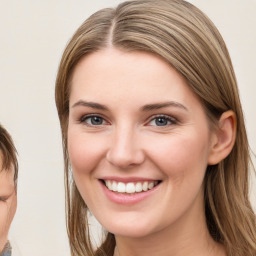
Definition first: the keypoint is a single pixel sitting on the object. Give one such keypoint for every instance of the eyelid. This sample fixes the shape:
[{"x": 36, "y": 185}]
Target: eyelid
[
  {"x": 169, "y": 118},
  {"x": 84, "y": 117},
  {"x": 3, "y": 198}
]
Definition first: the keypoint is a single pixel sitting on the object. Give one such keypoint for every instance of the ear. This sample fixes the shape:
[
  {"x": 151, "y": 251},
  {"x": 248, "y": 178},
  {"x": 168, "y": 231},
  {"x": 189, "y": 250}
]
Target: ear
[{"x": 223, "y": 138}]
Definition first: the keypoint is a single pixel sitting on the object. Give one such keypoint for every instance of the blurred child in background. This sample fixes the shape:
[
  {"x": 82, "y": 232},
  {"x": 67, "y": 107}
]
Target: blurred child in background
[{"x": 8, "y": 188}]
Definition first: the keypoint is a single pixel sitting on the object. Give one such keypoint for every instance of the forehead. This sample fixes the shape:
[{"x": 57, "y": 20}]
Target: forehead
[
  {"x": 122, "y": 64},
  {"x": 126, "y": 76},
  {"x": 6, "y": 180},
  {"x": 5, "y": 174}
]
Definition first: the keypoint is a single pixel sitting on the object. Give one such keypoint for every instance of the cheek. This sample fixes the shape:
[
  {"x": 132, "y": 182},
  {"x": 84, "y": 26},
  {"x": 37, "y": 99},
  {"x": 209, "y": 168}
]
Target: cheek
[
  {"x": 7, "y": 212},
  {"x": 84, "y": 151},
  {"x": 13, "y": 208},
  {"x": 182, "y": 154},
  {"x": 3, "y": 218}
]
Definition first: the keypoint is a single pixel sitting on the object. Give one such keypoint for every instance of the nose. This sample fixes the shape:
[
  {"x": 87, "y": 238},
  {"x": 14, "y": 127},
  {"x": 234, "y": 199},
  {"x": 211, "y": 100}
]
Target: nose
[{"x": 125, "y": 150}]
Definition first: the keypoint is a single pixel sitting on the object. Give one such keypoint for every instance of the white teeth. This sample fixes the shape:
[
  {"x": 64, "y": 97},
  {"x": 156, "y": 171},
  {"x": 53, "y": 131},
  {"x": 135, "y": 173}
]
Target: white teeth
[
  {"x": 109, "y": 185},
  {"x": 145, "y": 186},
  {"x": 130, "y": 187},
  {"x": 114, "y": 186},
  {"x": 150, "y": 185},
  {"x": 120, "y": 187},
  {"x": 138, "y": 187}
]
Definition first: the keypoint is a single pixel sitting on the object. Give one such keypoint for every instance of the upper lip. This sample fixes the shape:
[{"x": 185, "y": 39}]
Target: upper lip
[{"x": 128, "y": 179}]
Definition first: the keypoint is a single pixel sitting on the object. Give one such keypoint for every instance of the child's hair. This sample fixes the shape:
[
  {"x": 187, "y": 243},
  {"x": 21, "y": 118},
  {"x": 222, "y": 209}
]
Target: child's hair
[
  {"x": 8, "y": 153},
  {"x": 185, "y": 38}
]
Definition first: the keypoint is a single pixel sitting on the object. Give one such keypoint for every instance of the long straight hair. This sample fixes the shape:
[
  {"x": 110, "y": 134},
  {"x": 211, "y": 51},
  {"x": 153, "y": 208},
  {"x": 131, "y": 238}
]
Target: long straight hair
[{"x": 185, "y": 38}]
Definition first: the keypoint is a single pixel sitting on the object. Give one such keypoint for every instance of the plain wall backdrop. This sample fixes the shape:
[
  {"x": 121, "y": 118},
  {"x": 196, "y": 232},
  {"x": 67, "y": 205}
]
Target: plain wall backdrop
[{"x": 33, "y": 35}]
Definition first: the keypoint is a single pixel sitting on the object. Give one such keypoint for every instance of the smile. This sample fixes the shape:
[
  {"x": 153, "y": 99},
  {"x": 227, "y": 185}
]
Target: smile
[{"x": 130, "y": 187}]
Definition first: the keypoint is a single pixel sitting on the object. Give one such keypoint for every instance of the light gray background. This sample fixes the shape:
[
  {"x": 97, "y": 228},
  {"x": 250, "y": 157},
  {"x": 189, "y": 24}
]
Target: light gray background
[{"x": 33, "y": 36}]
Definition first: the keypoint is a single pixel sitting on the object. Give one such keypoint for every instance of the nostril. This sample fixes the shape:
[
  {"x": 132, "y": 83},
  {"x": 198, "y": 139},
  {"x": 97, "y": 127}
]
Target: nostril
[{"x": 125, "y": 158}]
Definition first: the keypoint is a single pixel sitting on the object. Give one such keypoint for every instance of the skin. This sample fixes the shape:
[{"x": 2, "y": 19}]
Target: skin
[
  {"x": 129, "y": 143},
  {"x": 8, "y": 203}
]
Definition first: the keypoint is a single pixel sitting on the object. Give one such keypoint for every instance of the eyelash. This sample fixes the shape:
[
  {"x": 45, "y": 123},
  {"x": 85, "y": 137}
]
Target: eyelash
[
  {"x": 83, "y": 119},
  {"x": 171, "y": 120},
  {"x": 2, "y": 199}
]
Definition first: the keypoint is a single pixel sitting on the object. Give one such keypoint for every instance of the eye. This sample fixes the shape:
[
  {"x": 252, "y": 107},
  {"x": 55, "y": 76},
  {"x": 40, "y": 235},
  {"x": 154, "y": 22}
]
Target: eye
[
  {"x": 93, "y": 120},
  {"x": 3, "y": 199},
  {"x": 162, "y": 121}
]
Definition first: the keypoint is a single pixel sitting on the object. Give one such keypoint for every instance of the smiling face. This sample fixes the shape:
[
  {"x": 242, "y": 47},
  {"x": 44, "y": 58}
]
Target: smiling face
[
  {"x": 8, "y": 203},
  {"x": 139, "y": 143}
]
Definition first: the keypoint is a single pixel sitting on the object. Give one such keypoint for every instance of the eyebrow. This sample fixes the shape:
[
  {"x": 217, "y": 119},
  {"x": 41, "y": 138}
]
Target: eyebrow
[
  {"x": 90, "y": 105},
  {"x": 145, "y": 108},
  {"x": 156, "y": 106}
]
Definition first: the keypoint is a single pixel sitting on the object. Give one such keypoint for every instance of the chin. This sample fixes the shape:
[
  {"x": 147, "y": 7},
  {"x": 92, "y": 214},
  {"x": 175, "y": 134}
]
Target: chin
[
  {"x": 129, "y": 228},
  {"x": 131, "y": 232}
]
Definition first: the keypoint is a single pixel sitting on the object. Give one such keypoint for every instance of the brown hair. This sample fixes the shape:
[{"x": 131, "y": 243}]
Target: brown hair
[
  {"x": 185, "y": 38},
  {"x": 8, "y": 153}
]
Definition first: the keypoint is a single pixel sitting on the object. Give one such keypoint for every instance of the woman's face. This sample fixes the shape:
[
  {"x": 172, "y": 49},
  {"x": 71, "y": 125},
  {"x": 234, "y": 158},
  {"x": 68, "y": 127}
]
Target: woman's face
[
  {"x": 138, "y": 141},
  {"x": 8, "y": 203}
]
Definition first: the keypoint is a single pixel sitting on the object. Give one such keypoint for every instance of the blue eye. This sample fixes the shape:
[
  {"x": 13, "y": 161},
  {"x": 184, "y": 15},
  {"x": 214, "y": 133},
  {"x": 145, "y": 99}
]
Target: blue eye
[
  {"x": 161, "y": 121},
  {"x": 93, "y": 120}
]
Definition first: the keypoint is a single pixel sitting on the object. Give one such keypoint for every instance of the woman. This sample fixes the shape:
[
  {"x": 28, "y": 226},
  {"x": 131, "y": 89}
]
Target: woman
[
  {"x": 153, "y": 134},
  {"x": 8, "y": 186}
]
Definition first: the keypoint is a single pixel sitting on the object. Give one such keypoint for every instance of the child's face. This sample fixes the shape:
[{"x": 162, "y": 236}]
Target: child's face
[{"x": 8, "y": 203}]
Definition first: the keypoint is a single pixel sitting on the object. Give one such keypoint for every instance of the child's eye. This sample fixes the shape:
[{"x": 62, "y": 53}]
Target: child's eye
[
  {"x": 3, "y": 199},
  {"x": 93, "y": 120},
  {"x": 162, "y": 121}
]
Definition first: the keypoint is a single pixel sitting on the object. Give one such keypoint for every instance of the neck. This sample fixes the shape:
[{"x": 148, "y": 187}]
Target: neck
[{"x": 183, "y": 238}]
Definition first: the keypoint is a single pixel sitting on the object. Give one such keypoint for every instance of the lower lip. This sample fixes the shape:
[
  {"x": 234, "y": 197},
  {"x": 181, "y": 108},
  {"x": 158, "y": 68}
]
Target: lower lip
[{"x": 127, "y": 199}]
